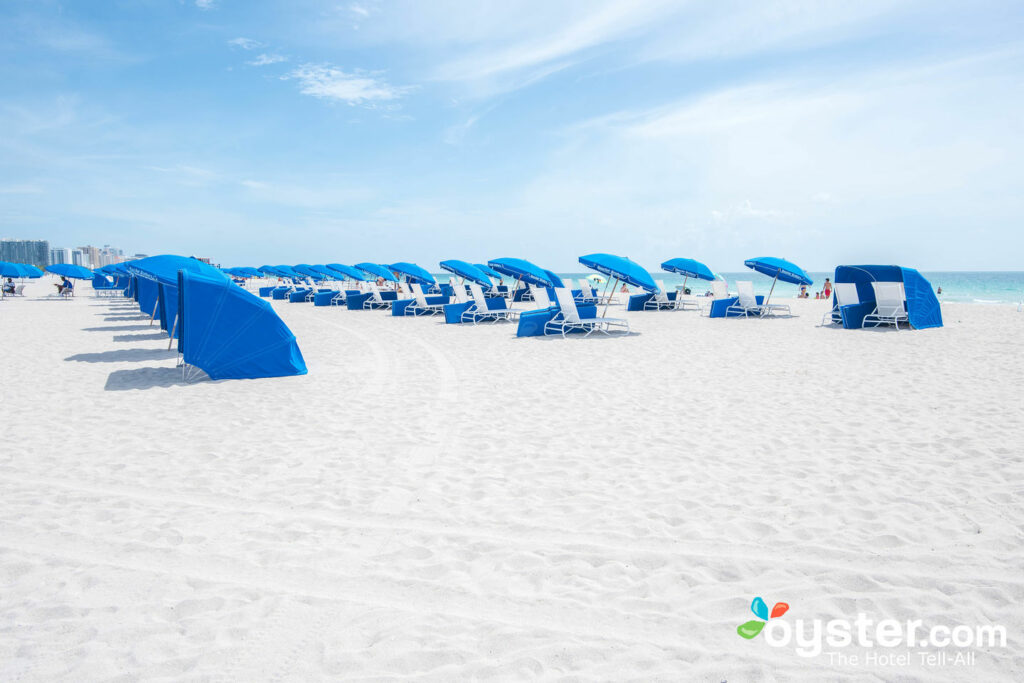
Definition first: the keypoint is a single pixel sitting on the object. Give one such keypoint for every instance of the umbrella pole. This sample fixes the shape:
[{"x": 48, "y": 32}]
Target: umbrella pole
[
  {"x": 174, "y": 327},
  {"x": 604, "y": 294},
  {"x": 156, "y": 305},
  {"x": 765, "y": 309},
  {"x": 608, "y": 301},
  {"x": 679, "y": 296}
]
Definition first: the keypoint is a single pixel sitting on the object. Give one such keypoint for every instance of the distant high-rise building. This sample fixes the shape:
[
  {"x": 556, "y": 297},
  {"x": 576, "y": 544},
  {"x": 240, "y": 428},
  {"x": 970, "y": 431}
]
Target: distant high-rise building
[
  {"x": 59, "y": 255},
  {"x": 34, "y": 252},
  {"x": 79, "y": 258}
]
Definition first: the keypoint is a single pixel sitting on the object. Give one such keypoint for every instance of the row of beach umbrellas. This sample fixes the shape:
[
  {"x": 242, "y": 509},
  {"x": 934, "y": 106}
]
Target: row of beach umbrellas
[{"x": 616, "y": 268}]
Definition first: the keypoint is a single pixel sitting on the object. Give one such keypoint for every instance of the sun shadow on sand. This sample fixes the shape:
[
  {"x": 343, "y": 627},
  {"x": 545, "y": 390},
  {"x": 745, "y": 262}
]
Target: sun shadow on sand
[
  {"x": 115, "y": 318},
  {"x": 155, "y": 336},
  {"x": 143, "y": 378},
  {"x": 123, "y": 355},
  {"x": 117, "y": 328}
]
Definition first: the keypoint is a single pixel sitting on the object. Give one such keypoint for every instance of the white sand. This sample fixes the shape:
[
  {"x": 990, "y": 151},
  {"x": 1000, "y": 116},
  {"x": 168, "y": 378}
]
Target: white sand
[{"x": 453, "y": 502}]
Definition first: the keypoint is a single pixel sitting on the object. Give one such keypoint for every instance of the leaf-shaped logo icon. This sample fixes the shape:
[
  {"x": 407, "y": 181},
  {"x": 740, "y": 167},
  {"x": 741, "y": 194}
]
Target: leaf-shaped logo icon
[
  {"x": 779, "y": 609},
  {"x": 759, "y": 608},
  {"x": 750, "y": 629}
]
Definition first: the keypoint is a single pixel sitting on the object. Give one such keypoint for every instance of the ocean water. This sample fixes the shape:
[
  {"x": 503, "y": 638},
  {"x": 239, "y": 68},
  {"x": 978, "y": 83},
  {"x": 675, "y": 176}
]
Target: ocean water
[{"x": 985, "y": 287}]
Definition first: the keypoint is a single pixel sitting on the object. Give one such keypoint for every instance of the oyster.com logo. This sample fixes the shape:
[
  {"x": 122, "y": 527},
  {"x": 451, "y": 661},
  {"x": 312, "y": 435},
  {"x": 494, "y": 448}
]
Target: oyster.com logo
[{"x": 760, "y": 610}]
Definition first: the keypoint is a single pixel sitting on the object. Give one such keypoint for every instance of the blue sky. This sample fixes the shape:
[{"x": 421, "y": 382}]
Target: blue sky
[{"x": 306, "y": 131}]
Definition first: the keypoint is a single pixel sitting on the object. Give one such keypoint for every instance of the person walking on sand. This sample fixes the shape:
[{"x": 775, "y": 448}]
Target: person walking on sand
[{"x": 828, "y": 288}]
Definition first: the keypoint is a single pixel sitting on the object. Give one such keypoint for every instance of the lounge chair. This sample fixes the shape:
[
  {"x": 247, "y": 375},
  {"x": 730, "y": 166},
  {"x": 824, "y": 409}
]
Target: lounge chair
[
  {"x": 660, "y": 300},
  {"x": 420, "y": 305},
  {"x": 540, "y": 297},
  {"x": 375, "y": 300},
  {"x": 19, "y": 290},
  {"x": 846, "y": 295},
  {"x": 568, "y": 318},
  {"x": 747, "y": 304},
  {"x": 480, "y": 312},
  {"x": 889, "y": 308},
  {"x": 719, "y": 290}
]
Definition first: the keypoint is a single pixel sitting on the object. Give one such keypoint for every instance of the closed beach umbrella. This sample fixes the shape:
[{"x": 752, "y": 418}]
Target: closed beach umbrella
[
  {"x": 467, "y": 271},
  {"x": 619, "y": 268},
  {"x": 778, "y": 269},
  {"x": 70, "y": 270},
  {"x": 377, "y": 270},
  {"x": 413, "y": 273}
]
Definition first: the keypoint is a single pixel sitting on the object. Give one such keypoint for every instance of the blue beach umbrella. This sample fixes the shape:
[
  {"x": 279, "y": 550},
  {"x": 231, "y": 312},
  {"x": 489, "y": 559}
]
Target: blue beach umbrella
[
  {"x": 9, "y": 269},
  {"x": 30, "y": 270},
  {"x": 270, "y": 270},
  {"x": 466, "y": 271},
  {"x": 619, "y": 268},
  {"x": 349, "y": 272},
  {"x": 377, "y": 270},
  {"x": 778, "y": 269},
  {"x": 521, "y": 270},
  {"x": 413, "y": 273},
  {"x": 555, "y": 280},
  {"x": 308, "y": 271},
  {"x": 687, "y": 267},
  {"x": 70, "y": 270},
  {"x": 487, "y": 270}
]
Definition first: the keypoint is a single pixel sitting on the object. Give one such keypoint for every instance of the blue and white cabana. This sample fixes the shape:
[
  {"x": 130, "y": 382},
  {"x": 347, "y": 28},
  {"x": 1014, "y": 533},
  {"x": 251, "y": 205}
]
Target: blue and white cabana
[{"x": 921, "y": 304}]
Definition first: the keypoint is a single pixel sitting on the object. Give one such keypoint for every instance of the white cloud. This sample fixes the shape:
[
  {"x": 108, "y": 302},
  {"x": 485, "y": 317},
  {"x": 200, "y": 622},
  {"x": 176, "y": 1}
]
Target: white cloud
[
  {"x": 359, "y": 10},
  {"x": 264, "y": 59},
  {"x": 206, "y": 4},
  {"x": 245, "y": 43},
  {"x": 328, "y": 82}
]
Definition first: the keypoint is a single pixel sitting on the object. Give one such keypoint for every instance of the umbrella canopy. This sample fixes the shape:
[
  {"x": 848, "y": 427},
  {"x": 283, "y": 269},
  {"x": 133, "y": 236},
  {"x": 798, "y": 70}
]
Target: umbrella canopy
[
  {"x": 555, "y": 280},
  {"x": 377, "y": 270},
  {"x": 164, "y": 268},
  {"x": 9, "y": 270},
  {"x": 244, "y": 271},
  {"x": 621, "y": 268},
  {"x": 413, "y": 273},
  {"x": 306, "y": 269},
  {"x": 29, "y": 270},
  {"x": 348, "y": 272},
  {"x": 270, "y": 270},
  {"x": 467, "y": 271},
  {"x": 230, "y": 333},
  {"x": 780, "y": 269},
  {"x": 487, "y": 270},
  {"x": 687, "y": 267},
  {"x": 284, "y": 270},
  {"x": 70, "y": 270},
  {"x": 521, "y": 269}
]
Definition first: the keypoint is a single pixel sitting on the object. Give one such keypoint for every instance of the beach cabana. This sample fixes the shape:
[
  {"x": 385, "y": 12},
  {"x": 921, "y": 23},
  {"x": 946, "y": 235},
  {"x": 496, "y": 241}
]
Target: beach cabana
[
  {"x": 229, "y": 333},
  {"x": 920, "y": 303},
  {"x": 157, "y": 285}
]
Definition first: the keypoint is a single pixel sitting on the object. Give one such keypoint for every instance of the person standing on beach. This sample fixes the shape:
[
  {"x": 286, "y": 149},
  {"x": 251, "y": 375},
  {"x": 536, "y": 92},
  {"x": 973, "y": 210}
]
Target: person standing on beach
[{"x": 828, "y": 288}]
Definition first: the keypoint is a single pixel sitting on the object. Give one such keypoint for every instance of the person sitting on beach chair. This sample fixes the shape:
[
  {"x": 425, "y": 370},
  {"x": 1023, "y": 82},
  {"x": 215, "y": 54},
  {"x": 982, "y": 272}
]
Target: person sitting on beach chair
[{"x": 9, "y": 286}]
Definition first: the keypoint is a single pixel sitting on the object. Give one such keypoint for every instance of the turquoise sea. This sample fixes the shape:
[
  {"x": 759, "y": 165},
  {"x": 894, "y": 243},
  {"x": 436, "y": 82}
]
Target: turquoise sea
[{"x": 986, "y": 287}]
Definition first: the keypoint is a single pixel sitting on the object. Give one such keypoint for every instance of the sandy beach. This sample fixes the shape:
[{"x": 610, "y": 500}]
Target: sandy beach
[{"x": 453, "y": 502}]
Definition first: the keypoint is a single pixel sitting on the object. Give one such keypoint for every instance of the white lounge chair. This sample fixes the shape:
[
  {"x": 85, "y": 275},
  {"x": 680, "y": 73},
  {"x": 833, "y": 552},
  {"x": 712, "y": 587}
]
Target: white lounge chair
[
  {"x": 747, "y": 304},
  {"x": 480, "y": 312},
  {"x": 889, "y": 308},
  {"x": 540, "y": 297},
  {"x": 569, "y": 318},
  {"x": 660, "y": 300},
  {"x": 19, "y": 290},
  {"x": 719, "y": 290},
  {"x": 375, "y": 300},
  {"x": 420, "y": 305},
  {"x": 846, "y": 295},
  {"x": 459, "y": 293}
]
